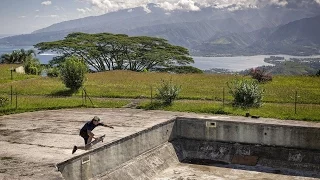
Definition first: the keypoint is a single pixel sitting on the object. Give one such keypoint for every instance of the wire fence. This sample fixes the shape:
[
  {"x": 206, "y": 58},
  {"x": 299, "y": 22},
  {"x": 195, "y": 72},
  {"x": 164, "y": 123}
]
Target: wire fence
[
  {"x": 14, "y": 100},
  {"x": 11, "y": 98}
]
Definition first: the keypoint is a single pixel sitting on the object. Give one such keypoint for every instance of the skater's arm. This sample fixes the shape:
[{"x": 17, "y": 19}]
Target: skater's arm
[{"x": 105, "y": 125}]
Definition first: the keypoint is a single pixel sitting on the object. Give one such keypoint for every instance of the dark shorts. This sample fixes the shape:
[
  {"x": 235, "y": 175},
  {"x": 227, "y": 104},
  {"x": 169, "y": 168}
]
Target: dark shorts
[{"x": 85, "y": 136}]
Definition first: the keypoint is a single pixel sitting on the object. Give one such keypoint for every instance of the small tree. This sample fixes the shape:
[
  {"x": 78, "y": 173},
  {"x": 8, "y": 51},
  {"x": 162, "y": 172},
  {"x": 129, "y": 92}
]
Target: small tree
[
  {"x": 32, "y": 66},
  {"x": 318, "y": 73},
  {"x": 246, "y": 93},
  {"x": 260, "y": 75},
  {"x": 168, "y": 92},
  {"x": 73, "y": 73}
]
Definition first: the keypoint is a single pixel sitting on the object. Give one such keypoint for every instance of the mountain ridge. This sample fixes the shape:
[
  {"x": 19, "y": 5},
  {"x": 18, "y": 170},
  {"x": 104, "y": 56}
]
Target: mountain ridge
[{"x": 209, "y": 32}]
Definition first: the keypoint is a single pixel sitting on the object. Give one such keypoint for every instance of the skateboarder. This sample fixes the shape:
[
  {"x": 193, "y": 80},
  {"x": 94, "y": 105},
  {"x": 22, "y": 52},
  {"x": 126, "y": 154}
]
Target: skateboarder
[{"x": 86, "y": 132}]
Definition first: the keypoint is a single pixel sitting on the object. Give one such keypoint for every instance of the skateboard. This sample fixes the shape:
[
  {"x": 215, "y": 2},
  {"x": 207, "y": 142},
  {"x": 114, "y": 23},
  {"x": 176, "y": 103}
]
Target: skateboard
[{"x": 98, "y": 139}]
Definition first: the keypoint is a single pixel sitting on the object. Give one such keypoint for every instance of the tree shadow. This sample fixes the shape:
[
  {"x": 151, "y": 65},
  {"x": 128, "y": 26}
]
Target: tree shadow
[
  {"x": 155, "y": 105},
  {"x": 66, "y": 92}
]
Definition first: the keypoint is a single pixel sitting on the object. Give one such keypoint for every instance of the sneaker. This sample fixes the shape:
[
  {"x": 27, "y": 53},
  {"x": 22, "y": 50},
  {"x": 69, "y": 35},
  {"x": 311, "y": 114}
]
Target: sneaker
[{"x": 74, "y": 149}]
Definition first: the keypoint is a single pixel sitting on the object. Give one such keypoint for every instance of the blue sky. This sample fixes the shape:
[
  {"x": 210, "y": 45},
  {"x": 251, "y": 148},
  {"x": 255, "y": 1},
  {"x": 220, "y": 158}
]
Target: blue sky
[{"x": 25, "y": 16}]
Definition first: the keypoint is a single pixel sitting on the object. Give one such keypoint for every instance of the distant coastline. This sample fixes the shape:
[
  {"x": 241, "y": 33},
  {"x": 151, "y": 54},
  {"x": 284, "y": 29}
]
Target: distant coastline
[{"x": 228, "y": 63}]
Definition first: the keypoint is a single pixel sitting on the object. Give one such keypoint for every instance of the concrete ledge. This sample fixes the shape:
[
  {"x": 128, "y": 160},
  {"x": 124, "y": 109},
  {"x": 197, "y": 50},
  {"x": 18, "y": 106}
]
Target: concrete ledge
[
  {"x": 144, "y": 166},
  {"x": 284, "y": 135},
  {"x": 107, "y": 157}
]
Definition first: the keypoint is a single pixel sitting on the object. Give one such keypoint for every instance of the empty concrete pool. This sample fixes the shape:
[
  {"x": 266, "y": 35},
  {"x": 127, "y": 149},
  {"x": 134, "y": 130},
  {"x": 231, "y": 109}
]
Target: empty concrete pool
[{"x": 199, "y": 148}]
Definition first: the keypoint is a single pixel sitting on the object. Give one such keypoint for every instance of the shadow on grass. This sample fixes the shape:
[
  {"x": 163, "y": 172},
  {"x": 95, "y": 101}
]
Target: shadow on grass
[
  {"x": 154, "y": 106},
  {"x": 66, "y": 92}
]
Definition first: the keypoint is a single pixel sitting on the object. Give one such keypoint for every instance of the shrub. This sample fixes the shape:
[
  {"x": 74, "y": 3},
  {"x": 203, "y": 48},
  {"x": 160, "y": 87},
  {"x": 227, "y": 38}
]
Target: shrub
[
  {"x": 180, "y": 69},
  {"x": 3, "y": 101},
  {"x": 168, "y": 92},
  {"x": 318, "y": 74},
  {"x": 32, "y": 66},
  {"x": 72, "y": 73},
  {"x": 53, "y": 72},
  {"x": 246, "y": 93},
  {"x": 260, "y": 75}
]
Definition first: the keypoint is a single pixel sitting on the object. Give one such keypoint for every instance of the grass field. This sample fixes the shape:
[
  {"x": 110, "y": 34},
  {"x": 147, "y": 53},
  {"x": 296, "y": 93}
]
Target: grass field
[{"x": 201, "y": 93}]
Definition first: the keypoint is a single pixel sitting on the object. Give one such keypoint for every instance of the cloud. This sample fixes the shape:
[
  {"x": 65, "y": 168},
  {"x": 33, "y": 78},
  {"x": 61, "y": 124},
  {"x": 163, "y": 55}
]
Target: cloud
[
  {"x": 192, "y": 5},
  {"x": 46, "y": 3},
  {"x": 82, "y": 10},
  {"x": 48, "y": 16},
  {"x": 22, "y": 16},
  {"x": 181, "y": 5}
]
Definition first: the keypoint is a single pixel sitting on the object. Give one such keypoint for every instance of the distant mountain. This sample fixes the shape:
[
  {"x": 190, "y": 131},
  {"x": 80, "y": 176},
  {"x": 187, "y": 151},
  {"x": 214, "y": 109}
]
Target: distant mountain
[
  {"x": 206, "y": 32},
  {"x": 230, "y": 44},
  {"x": 6, "y": 35},
  {"x": 189, "y": 34},
  {"x": 301, "y": 37},
  {"x": 32, "y": 39}
]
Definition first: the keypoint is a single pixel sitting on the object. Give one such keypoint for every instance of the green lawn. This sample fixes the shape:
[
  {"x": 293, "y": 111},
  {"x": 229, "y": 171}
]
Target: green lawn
[{"x": 201, "y": 93}]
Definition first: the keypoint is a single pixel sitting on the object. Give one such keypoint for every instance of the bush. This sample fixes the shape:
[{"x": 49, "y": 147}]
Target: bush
[
  {"x": 168, "y": 92},
  {"x": 3, "y": 101},
  {"x": 246, "y": 93},
  {"x": 260, "y": 75},
  {"x": 180, "y": 69},
  {"x": 72, "y": 73},
  {"x": 32, "y": 66},
  {"x": 318, "y": 74},
  {"x": 53, "y": 72}
]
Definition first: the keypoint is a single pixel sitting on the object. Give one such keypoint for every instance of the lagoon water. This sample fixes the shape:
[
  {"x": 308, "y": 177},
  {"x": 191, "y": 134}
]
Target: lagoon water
[
  {"x": 236, "y": 63},
  {"x": 44, "y": 58}
]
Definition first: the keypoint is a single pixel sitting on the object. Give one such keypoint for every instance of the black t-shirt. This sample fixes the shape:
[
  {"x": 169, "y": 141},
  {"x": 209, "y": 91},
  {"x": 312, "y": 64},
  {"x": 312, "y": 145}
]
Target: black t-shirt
[{"x": 90, "y": 126}]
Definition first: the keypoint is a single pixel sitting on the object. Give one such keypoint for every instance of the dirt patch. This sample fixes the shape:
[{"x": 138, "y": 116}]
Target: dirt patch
[
  {"x": 7, "y": 132},
  {"x": 6, "y": 158},
  {"x": 43, "y": 129},
  {"x": 13, "y": 168}
]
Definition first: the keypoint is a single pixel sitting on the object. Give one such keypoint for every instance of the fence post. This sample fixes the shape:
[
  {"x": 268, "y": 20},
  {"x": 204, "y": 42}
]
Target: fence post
[
  {"x": 223, "y": 97},
  {"x": 85, "y": 97},
  {"x": 16, "y": 100},
  {"x": 295, "y": 102},
  {"x": 11, "y": 94},
  {"x": 82, "y": 97},
  {"x": 11, "y": 73},
  {"x": 151, "y": 93}
]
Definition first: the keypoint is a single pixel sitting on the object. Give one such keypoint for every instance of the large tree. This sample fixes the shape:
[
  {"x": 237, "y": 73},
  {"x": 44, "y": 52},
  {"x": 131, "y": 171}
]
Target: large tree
[{"x": 106, "y": 51}]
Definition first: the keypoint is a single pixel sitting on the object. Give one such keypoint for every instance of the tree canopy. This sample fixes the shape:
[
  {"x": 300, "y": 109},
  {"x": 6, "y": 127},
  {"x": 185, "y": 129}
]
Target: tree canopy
[
  {"x": 106, "y": 51},
  {"x": 17, "y": 56}
]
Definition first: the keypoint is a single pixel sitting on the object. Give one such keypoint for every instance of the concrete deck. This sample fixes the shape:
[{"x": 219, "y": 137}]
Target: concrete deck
[{"x": 32, "y": 143}]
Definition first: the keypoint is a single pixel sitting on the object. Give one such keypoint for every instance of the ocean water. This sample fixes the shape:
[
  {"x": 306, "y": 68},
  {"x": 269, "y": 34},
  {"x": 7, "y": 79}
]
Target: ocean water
[
  {"x": 236, "y": 63},
  {"x": 44, "y": 57}
]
